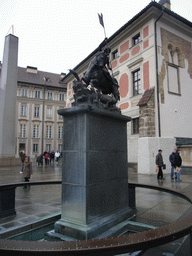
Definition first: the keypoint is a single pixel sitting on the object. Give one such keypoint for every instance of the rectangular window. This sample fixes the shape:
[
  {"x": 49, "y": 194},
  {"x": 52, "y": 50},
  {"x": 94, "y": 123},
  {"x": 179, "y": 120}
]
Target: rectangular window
[
  {"x": 36, "y": 131},
  {"x": 60, "y": 132},
  {"x": 48, "y": 131},
  {"x": 60, "y": 116},
  {"x": 115, "y": 54},
  {"x": 135, "y": 126},
  {"x": 24, "y": 92},
  {"x": 23, "y": 110},
  {"x": 49, "y": 112},
  {"x": 136, "y": 83},
  {"x": 48, "y": 147},
  {"x": 173, "y": 79},
  {"x": 60, "y": 148},
  {"x": 35, "y": 148},
  {"x": 22, "y": 132},
  {"x": 49, "y": 95},
  {"x": 36, "y": 112},
  {"x": 62, "y": 96},
  {"x": 37, "y": 94},
  {"x": 136, "y": 39}
]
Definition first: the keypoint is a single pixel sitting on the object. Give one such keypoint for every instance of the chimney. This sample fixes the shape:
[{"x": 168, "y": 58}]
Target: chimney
[
  {"x": 31, "y": 70},
  {"x": 165, "y": 3}
]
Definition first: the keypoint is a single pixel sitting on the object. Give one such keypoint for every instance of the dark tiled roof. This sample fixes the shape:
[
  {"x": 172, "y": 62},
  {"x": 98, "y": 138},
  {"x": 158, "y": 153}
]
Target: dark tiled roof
[
  {"x": 146, "y": 97},
  {"x": 38, "y": 78}
]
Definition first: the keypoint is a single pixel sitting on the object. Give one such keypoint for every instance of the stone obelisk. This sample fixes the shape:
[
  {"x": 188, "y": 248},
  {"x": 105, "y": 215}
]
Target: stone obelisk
[{"x": 8, "y": 95}]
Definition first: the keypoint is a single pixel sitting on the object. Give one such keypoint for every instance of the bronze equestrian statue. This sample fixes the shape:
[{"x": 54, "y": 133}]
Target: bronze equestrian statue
[
  {"x": 102, "y": 86},
  {"x": 98, "y": 75}
]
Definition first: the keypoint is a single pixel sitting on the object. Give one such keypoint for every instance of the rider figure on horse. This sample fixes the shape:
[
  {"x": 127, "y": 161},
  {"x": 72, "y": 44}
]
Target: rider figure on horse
[{"x": 100, "y": 60}]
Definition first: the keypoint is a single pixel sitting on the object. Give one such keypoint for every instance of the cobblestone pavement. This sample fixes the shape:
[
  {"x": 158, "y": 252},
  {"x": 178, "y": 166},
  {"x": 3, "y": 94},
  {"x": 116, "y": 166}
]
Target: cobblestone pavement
[{"x": 153, "y": 207}]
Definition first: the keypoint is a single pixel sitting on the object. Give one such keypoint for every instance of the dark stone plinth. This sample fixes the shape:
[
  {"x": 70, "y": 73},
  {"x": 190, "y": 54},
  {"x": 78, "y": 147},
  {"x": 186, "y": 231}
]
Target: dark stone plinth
[
  {"x": 7, "y": 201},
  {"x": 95, "y": 176}
]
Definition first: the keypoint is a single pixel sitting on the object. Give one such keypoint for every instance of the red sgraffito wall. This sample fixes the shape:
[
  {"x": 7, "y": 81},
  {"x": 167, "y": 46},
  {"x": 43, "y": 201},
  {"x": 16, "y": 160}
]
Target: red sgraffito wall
[
  {"x": 124, "y": 47},
  {"x": 124, "y": 106},
  {"x": 124, "y": 85}
]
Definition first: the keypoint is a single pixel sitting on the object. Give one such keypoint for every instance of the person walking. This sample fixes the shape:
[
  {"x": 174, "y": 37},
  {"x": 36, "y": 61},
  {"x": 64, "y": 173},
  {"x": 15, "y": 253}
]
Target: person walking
[
  {"x": 27, "y": 168},
  {"x": 57, "y": 155},
  {"x": 52, "y": 156},
  {"x": 178, "y": 162},
  {"x": 172, "y": 161},
  {"x": 159, "y": 164},
  {"x": 47, "y": 158},
  {"x": 22, "y": 157}
]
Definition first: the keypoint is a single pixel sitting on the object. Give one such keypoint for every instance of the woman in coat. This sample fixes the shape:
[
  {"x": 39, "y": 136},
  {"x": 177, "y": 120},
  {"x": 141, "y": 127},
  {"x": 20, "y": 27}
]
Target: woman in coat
[{"x": 27, "y": 169}]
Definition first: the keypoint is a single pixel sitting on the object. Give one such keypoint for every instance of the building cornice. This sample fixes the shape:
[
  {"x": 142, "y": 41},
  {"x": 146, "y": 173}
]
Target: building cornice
[{"x": 20, "y": 83}]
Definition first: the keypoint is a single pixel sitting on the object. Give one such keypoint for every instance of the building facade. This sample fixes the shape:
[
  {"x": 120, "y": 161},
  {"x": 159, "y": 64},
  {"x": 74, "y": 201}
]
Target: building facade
[
  {"x": 39, "y": 96},
  {"x": 151, "y": 58}
]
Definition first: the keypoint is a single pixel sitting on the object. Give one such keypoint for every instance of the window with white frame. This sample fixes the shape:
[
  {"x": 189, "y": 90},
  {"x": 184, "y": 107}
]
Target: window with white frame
[
  {"x": 49, "y": 95},
  {"x": 62, "y": 96},
  {"x": 36, "y": 112},
  {"x": 22, "y": 131},
  {"x": 60, "y": 132},
  {"x": 48, "y": 147},
  {"x": 23, "y": 110},
  {"x": 136, "y": 82},
  {"x": 60, "y": 116},
  {"x": 36, "y": 131},
  {"x": 115, "y": 54},
  {"x": 173, "y": 71},
  {"x": 49, "y": 112},
  {"x": 48, "y": 131},
  {"x": 24, "y": 92},
  {"x": 35, "y": 148},
  {"x": 136, "y": 39},
  {"x": 37, "y": 94}
]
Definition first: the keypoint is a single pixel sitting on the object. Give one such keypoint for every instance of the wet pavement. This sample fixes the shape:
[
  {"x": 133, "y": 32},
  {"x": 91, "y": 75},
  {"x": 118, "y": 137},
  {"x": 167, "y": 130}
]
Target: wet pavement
[{"x": 36, "y": 203}]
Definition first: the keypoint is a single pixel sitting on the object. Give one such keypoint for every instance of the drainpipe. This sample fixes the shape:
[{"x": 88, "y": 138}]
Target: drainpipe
[{"x": 157, "y": 75}]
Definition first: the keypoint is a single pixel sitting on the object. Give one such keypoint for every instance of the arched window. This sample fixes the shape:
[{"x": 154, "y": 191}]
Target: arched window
[{"x": 171, "y": 53}]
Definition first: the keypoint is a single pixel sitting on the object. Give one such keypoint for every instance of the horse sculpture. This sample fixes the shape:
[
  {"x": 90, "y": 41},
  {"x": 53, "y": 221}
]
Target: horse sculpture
[
  {"x": 98, "y": 76},
  {"x": 97, "y": 82}
]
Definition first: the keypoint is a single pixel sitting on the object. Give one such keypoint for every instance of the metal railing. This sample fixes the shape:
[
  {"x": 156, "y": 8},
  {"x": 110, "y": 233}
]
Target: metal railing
[{"x": 106, "y": 246}]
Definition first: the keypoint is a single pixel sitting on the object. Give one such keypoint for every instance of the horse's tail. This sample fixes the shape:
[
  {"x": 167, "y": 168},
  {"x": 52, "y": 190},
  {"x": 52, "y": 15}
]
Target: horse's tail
[{"x": 75, "y": 74}]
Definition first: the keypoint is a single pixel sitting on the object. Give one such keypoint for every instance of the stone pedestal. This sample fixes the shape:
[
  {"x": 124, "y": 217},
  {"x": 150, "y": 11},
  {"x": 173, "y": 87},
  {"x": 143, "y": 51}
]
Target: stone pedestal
[
  {"x": 7, "y": 201},
  {"x": 95, "y": 175}
]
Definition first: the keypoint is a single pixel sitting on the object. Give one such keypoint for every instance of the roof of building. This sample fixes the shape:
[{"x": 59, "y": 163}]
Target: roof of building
[
  {"x": 150, "y": 5},
  {"x": 31, "y": 75},
  {"x": 146, "y": 97}
]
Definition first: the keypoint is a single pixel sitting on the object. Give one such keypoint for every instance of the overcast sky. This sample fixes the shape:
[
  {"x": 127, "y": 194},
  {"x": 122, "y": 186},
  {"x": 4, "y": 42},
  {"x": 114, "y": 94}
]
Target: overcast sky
[{"x": 55, "y": 36}]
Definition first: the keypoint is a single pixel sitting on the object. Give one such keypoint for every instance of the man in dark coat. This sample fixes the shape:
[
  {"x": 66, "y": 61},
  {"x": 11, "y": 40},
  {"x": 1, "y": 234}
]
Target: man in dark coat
[
  {"x": 159, "y": 163},
  {"x": 178, "y": 162},
  {"x": 172, "y": 161}
]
